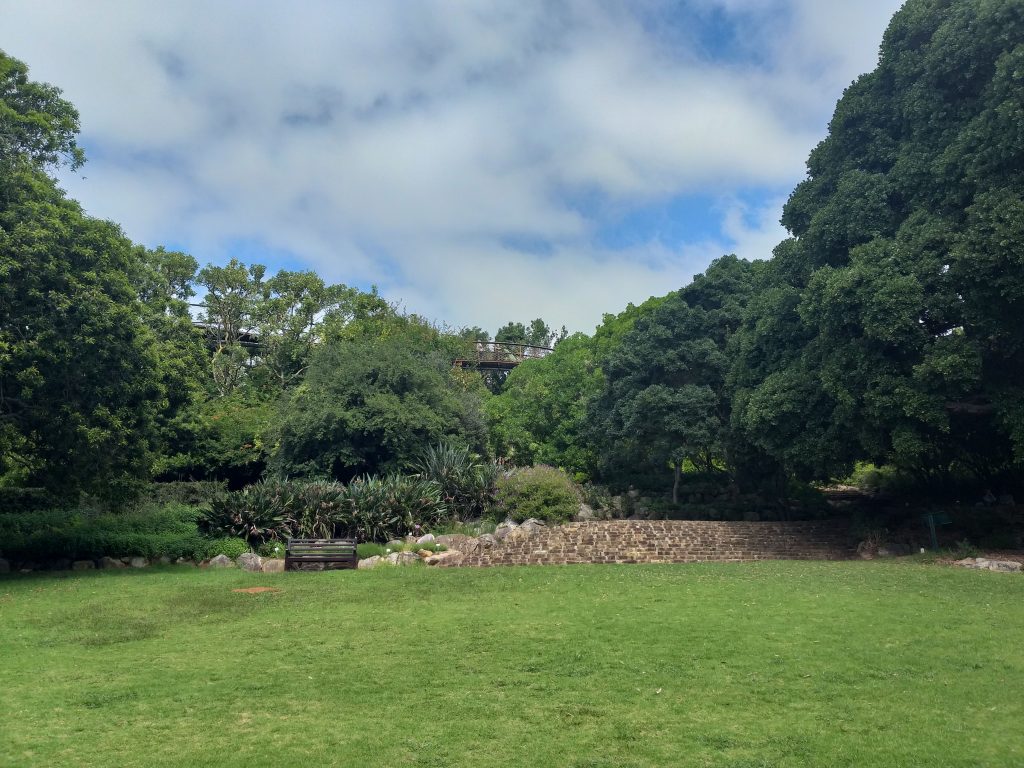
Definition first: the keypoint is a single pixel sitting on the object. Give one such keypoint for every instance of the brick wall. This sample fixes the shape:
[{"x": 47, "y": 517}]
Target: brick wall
[{"x": 664, "y": 541}]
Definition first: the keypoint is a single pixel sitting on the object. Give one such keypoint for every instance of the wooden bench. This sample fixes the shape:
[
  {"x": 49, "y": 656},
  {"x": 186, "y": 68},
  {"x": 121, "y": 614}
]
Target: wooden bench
[{"x": 321, "y": 554}]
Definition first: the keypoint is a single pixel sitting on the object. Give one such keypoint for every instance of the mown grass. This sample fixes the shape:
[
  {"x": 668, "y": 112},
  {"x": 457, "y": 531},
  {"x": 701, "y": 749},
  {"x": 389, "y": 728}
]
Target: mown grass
[{"x": 768, "y": 664}]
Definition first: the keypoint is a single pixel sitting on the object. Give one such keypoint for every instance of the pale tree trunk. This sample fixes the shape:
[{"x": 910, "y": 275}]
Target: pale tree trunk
[{"x": 677, "y": 469}]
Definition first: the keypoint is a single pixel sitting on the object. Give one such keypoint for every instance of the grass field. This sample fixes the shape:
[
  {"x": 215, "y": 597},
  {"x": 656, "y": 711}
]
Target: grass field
[{"x": 767, "y": 664}]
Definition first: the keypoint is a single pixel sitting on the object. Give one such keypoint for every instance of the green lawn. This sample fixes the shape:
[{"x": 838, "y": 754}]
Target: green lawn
[{"x": 768, "y": 664}]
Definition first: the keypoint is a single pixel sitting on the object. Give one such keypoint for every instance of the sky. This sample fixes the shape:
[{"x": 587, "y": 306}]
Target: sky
[{"x": 479, "y": 161}]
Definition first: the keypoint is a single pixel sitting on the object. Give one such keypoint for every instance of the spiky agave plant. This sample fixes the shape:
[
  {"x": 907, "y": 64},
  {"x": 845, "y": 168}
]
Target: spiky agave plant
[{"x": 465, "y": 480}]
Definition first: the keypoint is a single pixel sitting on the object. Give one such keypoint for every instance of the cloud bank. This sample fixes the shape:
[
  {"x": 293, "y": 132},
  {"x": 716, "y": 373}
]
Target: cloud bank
[{"x": 471, "y": 159}]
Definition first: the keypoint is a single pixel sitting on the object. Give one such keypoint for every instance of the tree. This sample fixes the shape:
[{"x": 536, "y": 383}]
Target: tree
[
  {"x": 80, "y": 384},
  {"x": 888, "y": 328},
  {"x": 37, "y": 126},
  {"x": 373, "y": 404},
  {"x": 663, "y": 398},
  {"x": 231, "y": 303}
]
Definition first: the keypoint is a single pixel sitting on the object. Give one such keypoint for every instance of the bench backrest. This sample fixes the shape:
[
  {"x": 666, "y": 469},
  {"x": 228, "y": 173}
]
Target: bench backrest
[{"x": 321, "y": 550}]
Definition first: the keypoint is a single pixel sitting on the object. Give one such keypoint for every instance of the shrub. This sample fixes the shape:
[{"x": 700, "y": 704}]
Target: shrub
[
  {"x": 389, "y": 507},
  {"x": 233, "y": 548},
  {"x": 152, "y": 531},
  {"x": 258, "y": 513},
  {"x": 542, "y": 492},
  {"x": 321, "y": 510},
  {"x": 466, "y": 483},
  {"x": 192, "y": 493}
]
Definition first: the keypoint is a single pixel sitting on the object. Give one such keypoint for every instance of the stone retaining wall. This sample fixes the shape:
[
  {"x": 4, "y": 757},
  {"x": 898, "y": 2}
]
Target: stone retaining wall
[{"x": 663, "y": 541}]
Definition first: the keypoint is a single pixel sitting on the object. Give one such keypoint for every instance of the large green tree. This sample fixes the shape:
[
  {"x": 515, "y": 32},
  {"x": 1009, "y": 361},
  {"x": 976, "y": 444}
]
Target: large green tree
[
  {"x": 888, "y": 327},
  {"x": 665, "y": 400},
  {"x": 373, "y": 402}
]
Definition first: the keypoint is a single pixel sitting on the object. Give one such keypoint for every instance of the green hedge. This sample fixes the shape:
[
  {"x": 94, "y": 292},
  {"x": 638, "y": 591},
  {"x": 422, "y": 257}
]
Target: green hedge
[{"x": 153, "y": 531}]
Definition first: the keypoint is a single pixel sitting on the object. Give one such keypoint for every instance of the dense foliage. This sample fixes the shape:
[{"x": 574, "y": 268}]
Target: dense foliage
[
  {"x": 540, "y": 492},
  {"x": 885, "y": 329}
]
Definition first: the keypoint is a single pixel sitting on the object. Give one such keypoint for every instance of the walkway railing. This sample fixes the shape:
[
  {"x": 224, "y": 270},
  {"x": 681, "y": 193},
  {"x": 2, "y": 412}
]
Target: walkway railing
[{"x": 501, "y": 355}]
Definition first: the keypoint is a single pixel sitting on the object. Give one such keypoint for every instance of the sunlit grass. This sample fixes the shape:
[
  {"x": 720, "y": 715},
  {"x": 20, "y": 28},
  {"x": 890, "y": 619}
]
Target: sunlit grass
[{"x": 767, "y": 664}]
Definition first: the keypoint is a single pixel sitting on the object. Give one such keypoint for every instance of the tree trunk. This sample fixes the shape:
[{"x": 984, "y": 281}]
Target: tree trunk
[{"x": 677, "y": 469}]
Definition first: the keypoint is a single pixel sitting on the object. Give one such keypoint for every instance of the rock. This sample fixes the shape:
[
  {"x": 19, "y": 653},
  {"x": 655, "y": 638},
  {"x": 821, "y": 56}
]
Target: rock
[
  {"x": 368, "y": 563},
  {"x": 424, "y": 553},
  {"x": 504, "y": 529},
  {"x": 5, "y": 567},
  {"x": 402, "y": 558},
  {"x": 249, "y": 561},
  {"x": 532, "y": 526},
  {"x": 220, "y": 561},
  {"x": 273, "y": 565},
  {"x": 137, "y": 562},
  {"x": 83, "y": 565},
  {"x": 426, "y": 538},
  {"x": 984, "y": 564},
  {"x": 110, "y": 562},
  {"x": 60, "y": 565},
  {"x": 1006, "y": 566},
  {"x": 451, "y": 557},
  {"x": 394, "y": 545},
  {"x": 1006, "y": 500},
  {"x": 163, "y": 560},
  {"x": 184, "y": 561},
  {"x": 585, "y": 514},
  {"x": 486, "y": 540}
]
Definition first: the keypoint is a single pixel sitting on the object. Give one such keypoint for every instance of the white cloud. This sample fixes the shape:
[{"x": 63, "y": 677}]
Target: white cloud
[{"x": 403, "y": 143}]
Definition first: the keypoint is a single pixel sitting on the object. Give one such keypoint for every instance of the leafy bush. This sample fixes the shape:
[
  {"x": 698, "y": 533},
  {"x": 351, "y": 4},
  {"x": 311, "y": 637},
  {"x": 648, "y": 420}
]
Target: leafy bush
[
  {"x": 233, "y": 548},
  {"x": 258, "y": 513},
  {"x": 466, "y": 483},
  {"x": 193, "y": 493},
  {"x": 21, "y": 500},
  {"x": 542, "y": 492},
  {"x": 321, "y": 510},
  {"x": 389, "y": 507},
  {"x": 153, "y": 531}
]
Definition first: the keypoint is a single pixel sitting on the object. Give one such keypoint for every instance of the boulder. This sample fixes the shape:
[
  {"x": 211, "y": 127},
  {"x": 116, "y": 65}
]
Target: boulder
[
  {"x": 585, "y": 514},
  {"x": 220, "y": 561},
  {"x": 369, "y": 562},
  {"x": 273, "y": 565},
  {"x": 1006, "y": 500},
  {"x": 486, "y": 541},
  {"x": 110, "y": 562},
  {"x": 424, "y": 553},
  {"x": 83, "y": 565},
  {"x": 532, "y": 526},
  {"x": 250, "y": 561},
  {"x": 184, "y": 561},
  {"x": 394, "y": 545},
  {"x": 1006, "y": 566},
  {"x": 427, "y": 538},
  {"x": 63, "y": 564},
  {"x": 137, "y": 562},
  {"x": 163, "y": 560},
  {"x": 450, "y": 557},
  {"x": 402, "y": 558},
  {"x": 5, "y": 567},
  {"x": 504, "y": 529},
  {"x": 984, "y": 564}
]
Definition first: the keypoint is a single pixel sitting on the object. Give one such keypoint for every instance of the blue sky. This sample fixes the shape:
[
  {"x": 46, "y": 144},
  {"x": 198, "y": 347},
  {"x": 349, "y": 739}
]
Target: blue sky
[{"x": 478, "y": 161}]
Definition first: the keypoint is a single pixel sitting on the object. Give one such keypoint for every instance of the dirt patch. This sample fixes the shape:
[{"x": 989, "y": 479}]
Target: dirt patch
[{"x": 256, "y": 590}]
